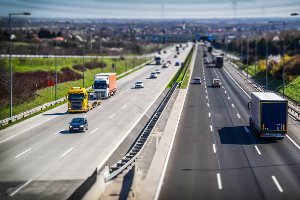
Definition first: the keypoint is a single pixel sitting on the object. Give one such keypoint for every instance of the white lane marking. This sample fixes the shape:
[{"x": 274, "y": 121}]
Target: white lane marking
[
  {"x": 147, "y": 115},
  {"x": 84, "y": 115},
  {"x": 68, "y": 151},
  {"x": 133, "y": 98},
  {"x": 246, "y": 129},
  {"x": 232, "y": 105},
  {"x": 205, "y": 86},
  {"x": 293, "y": 141},
  {"x": 237, "y": 83},
  {"x": 58, "y": 132},
  {"x": 228, "y": 97},
  {"x": 277, "y": 184},
  {"x": 111, "y": 116},
  {"x": 211, "y": 128},
  {"x": 26, "y": 130},
  {"x": 124, "y": 106},
  {"x": 219, "y": 181},
  {"x": 93, "y": 131},
  {"x": 206, "y": 97},
  {"x": 239, "y": 116},
  {"x": 208, "y": 104},
  {"x": 21, "y": 154},
  {"x": 20, "y": 188},
  {"x": 225, "y": 92},
  {"x": 208, "y": 114},
  {"x": 214, "y": 148},
  {"x": 258, "y": 151},
  {"x": 100, "y": 106}
]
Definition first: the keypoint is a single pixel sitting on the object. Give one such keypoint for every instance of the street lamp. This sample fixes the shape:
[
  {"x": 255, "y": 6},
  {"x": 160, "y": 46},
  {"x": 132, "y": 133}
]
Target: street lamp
[
  {"x": 55, "y": 60},
  {"x": 10, "y": 56}
]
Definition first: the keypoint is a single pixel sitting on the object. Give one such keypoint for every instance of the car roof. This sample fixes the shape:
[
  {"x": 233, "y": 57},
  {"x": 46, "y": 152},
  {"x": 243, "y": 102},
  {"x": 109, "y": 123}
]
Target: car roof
[
  {"x": 197, "y": 77},
  {"x": 139, "y": 82}
]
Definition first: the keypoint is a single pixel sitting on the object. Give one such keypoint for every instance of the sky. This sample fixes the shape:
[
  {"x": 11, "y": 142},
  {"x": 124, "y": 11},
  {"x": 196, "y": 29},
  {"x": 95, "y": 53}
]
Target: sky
[{"x": 151, "y": 9}]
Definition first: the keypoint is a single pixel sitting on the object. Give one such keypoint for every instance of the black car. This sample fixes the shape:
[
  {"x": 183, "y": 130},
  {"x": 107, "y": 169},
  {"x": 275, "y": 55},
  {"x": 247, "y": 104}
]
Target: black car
[{"x": 78, "y": 124}]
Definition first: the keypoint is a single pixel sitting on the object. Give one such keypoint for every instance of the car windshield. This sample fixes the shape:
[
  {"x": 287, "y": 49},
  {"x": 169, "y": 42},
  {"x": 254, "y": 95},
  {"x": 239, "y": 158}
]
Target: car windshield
[
  {"x": 139, "y": 82},
  {"x": 100, "y": 85},
  {"x": 197, "y": 78},
  {"x": 77, "y": 120},
  {"x": 76, "y": 96}
]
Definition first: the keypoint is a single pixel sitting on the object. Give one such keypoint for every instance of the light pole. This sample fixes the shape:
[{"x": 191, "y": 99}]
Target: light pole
[
  {"x": 55, "y": 61},
  {"x": 83, "y": 68},
  {"x": 10, "y": 56},
  {"x": 266, "y": 63}
]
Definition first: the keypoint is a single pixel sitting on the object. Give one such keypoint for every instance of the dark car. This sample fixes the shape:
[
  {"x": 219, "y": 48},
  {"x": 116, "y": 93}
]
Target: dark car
[{"x": 78, "y": 124}]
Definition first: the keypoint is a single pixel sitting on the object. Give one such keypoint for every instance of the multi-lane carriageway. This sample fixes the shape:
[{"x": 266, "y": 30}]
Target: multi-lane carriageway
[
  {"x": 216, "y": 156},
  {"x": 40, "y": 159}
]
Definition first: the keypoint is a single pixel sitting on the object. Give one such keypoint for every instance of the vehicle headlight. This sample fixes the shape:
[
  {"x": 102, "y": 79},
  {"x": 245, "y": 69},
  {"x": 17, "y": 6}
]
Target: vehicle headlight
[
  {"x": 81, "y": 126},
  {"x": 70, "y": 126}
]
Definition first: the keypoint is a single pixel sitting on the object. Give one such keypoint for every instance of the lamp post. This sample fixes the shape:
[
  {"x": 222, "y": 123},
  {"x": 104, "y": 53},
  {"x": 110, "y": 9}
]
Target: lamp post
[
  {"x": 266, "y": 64},
  {"x": 55, "y": 61},
  {"x": 10, "y": 56}
]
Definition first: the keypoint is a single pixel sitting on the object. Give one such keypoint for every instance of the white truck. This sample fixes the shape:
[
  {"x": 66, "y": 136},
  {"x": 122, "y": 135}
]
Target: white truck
[{"x": 105, "y": 84}]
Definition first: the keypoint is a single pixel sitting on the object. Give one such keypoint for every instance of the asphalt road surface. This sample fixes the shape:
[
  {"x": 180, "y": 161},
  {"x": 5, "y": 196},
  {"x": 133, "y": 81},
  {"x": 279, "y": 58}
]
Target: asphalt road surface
[
  {"x": 216, "y": 155},
  {"x": 40, "y": 159}
]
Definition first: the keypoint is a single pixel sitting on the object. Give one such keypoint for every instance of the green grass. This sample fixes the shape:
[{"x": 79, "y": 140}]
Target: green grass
[
  {"x": 46, "y": 95},
  {"x": 185, "y": 81},
  {"x": 292, "y": 89}
]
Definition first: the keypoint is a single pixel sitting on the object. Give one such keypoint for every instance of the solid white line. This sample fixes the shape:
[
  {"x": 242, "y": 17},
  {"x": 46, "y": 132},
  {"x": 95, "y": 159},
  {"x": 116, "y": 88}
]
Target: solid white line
[
  {"x": 293, "y": 141},
  {"x": 239, "y": 116},
  {"x": 208, "y": 114},
  {"x": 124, "y": 106},
  {"x": 257, "y": 150},
  {"x": 277, "y": 184},
  {"x": 69, "y": 150},
  {"x": 26, "y": 130},
  {"x": 111, "y": 116},
  {"x": 237, "y": 83},
  {"x": 58, "y": 132},
  {"x": 26, "y": 151},
  {"x": 211, "y": 128},
  {"x": 20, "y": 188},
  {"x": 214, "y": 148},
  {"x": 219, "y": 181},
  {"x": 93, "y": 131}
]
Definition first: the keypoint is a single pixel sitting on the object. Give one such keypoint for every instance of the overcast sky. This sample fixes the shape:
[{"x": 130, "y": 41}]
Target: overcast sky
[{"x": 151, "y": 8}]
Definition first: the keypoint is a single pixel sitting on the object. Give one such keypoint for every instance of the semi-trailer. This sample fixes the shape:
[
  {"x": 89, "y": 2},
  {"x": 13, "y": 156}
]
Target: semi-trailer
[
  {"x": 105, "y": 84},
  {"x": 268, "y": 114}
]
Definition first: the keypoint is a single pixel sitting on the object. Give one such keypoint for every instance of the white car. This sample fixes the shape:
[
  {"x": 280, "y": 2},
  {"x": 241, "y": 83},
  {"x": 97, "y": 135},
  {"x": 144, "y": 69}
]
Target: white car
[
  {"x": 165, "y": 65},
  {"x": 197, "y": 80},
  {"x": 139, "y": 84},
  {"x": 153, "y": 75},
  {"x": 157, "y": 71},
  {"x": 216, "y": 82}
]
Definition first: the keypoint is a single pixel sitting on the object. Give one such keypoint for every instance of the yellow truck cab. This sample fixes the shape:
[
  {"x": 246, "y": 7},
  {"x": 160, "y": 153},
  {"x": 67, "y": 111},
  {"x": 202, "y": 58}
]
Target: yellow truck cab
[{"x": 77, "y": 100}]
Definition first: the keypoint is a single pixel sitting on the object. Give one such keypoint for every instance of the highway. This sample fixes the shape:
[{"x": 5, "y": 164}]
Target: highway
[
  {"x": 40, "y": 158},
  {"x": 215, "y": 154}
]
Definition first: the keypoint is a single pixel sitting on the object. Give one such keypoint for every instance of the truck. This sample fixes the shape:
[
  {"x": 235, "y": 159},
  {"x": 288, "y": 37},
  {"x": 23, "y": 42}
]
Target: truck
[
  {"x": 105, "y": 84},
  {"x": 177, "y": 48},
  {"x": 268, "y": 114},
  {"x": 157, "y": 60},
  {"x": 219, "y": 61},
  {"x": 79, "y": 100}
]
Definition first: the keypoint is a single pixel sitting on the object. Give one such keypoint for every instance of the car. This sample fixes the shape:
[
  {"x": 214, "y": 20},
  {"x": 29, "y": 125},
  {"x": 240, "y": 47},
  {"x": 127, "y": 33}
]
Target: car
[
  {"x": 165, "y": 51},
  {"x": 175, "y": 56},
  {"x": 153, "y": 75},
  {"x": 139, "y": 84},
  {"x": 177, "y": 63},
  {"x": 165, "y": 65},
  {"x": 197, "y": 80},
  {"x": 178, "y": 52},
  {"x": 157, "y": 71},
  {"x": 169, "y": 61},
  {"x": 216, "y": 82},
  {"x": 78, "y": 124}
]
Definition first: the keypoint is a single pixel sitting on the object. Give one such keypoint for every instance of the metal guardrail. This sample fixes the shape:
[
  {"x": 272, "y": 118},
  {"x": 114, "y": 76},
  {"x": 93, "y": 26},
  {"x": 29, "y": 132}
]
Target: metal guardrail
[
  {"x": 138, "y": 145},
  {"x": 291, "y": 109}
]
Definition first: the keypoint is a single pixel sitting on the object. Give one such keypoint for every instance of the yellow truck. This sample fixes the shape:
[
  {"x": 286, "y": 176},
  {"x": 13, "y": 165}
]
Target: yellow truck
[{"x": 79, "y": 100}]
